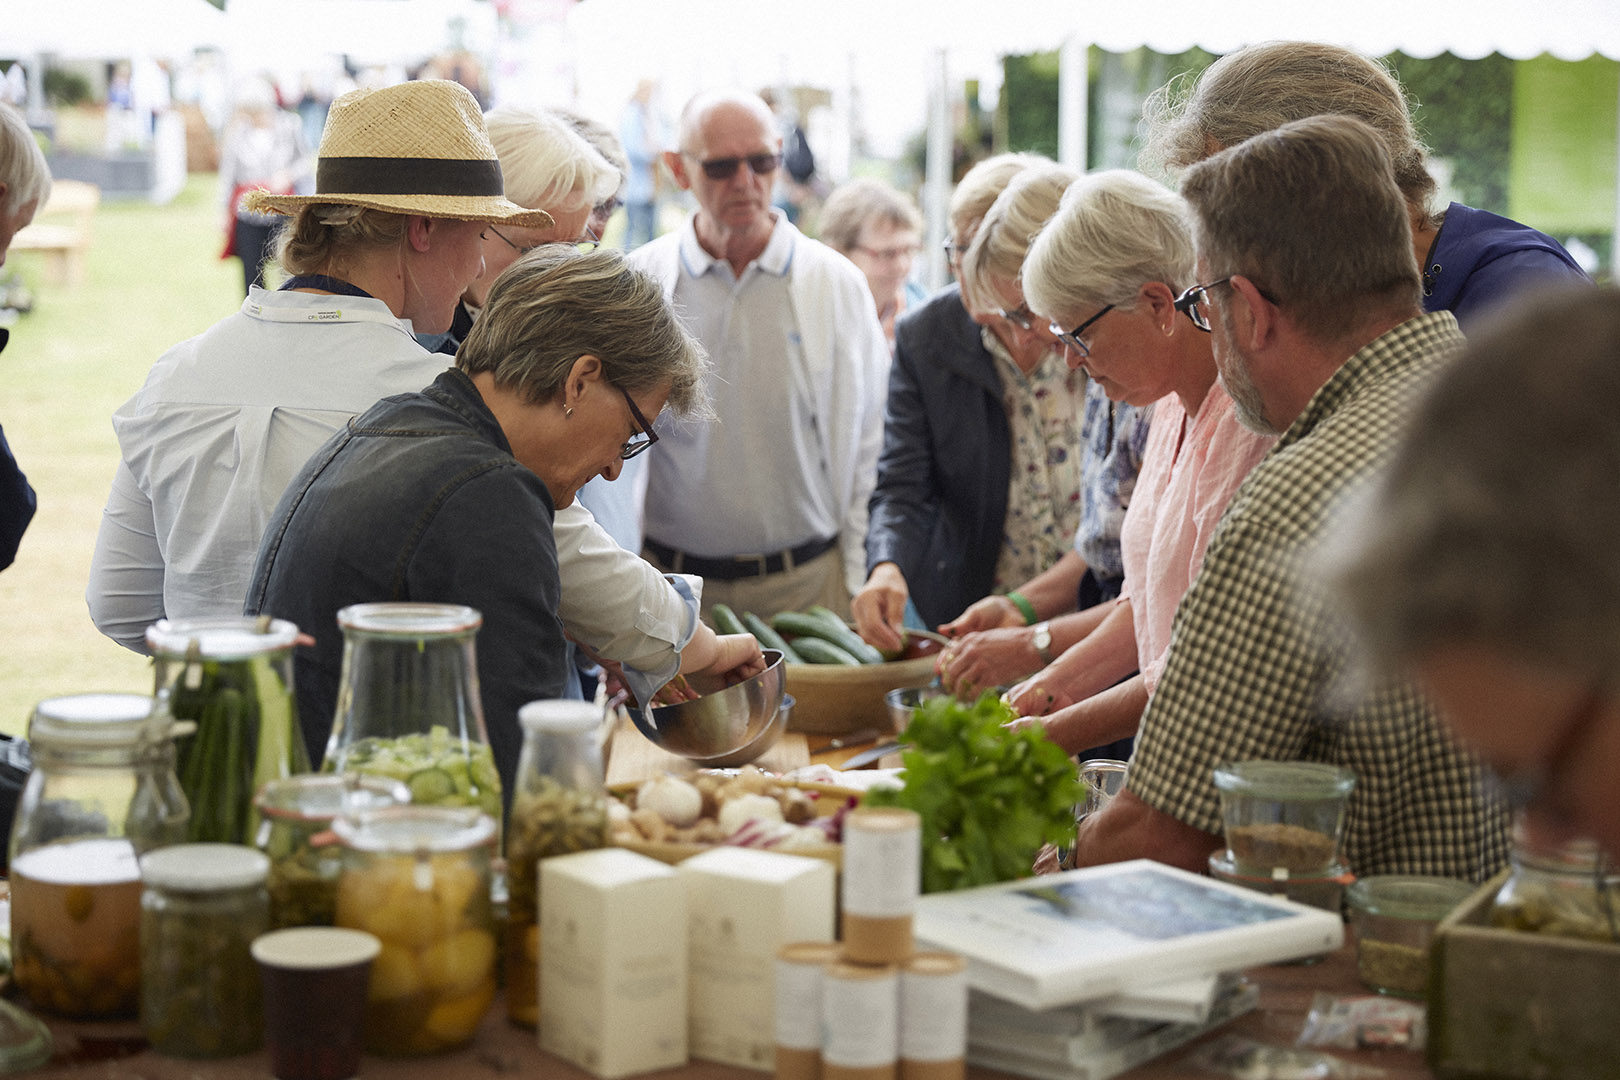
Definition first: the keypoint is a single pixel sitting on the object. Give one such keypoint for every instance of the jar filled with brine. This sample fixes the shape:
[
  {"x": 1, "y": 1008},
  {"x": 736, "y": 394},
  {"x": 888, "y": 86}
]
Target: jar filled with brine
[
  {"x": 418, "y": 877},
  {"x": 202, "y": 906},
  {"x": 101, "y": 793},
  {"x": 1567, "y": 889},
  {"x": 295, "y": 832},
  {"x": 232, "y": 678},
  {"x": 559, "y": 807},
  {"x": 408, "y": 705}
]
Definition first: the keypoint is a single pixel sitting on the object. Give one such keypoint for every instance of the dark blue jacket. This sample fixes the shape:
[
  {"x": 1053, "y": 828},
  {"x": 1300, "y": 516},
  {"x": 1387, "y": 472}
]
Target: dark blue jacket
[
  {"x": 940, "y": 507},
  {"x": 1480, "y": 260},
  {"x": 420, "y": 499}
]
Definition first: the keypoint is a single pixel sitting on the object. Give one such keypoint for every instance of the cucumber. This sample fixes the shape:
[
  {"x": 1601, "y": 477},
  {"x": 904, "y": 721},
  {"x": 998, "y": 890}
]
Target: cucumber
[
  {"x": 768, "y": 638},
  {"x": 814, "y": 650},
  {"x": 839, "y": 633},
  {"x": 796, "y": 624},
  {"x": 725, "y": 620},
  {"x": 431, "y": 786}
]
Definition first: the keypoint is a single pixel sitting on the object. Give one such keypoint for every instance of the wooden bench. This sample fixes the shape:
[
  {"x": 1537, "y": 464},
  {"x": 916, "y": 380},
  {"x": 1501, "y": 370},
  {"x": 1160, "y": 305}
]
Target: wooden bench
[{"x": 61, "y": 231}]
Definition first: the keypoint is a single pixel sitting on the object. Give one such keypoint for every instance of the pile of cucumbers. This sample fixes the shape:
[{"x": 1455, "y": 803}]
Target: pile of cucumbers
[{"x": 818, "y": 635}]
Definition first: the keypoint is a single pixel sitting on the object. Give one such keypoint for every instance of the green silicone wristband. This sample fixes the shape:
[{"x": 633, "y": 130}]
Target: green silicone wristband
[{"x": 1025, "y": 608}]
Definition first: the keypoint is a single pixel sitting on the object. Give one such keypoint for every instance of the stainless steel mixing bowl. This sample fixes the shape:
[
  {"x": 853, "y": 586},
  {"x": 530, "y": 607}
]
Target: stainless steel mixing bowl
[{"x": 728, "y": 726}]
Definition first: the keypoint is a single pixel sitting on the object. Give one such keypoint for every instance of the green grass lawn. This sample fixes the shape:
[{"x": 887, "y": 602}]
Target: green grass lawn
[{"x": 154, "y": 278}]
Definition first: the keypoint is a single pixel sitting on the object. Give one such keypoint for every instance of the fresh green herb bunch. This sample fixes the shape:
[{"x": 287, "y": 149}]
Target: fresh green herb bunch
[{"x": 988, "y": 796}]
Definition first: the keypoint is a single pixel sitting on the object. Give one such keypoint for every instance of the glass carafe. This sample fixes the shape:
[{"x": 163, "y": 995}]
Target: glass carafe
[
  {"x": 232, "y": 678},
  {"x": 559, "y": 807},
  {"x": 101, "y": 793},
  {"x": 408, "y": 705}
]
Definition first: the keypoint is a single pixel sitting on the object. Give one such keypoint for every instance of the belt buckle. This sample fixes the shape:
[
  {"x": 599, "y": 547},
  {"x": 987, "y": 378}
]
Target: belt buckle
[{"x": 761, "y": 563}]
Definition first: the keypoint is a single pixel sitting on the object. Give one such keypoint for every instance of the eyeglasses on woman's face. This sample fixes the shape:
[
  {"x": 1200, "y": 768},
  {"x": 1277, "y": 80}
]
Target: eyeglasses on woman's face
[
  {"x": 1020, "y": 316},
  {"x": 1072, "y": 339},
  {"x": 578, "y": 245},
  {"x": 644, "y": 437}
]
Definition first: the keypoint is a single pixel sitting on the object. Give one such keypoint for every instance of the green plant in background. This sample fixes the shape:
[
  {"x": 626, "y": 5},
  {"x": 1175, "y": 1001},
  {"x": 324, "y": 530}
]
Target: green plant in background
[
  {"x": 1463, "y": 110},
  {"x": 65, "y": 88},
  {"x": 989, "y": 797}
]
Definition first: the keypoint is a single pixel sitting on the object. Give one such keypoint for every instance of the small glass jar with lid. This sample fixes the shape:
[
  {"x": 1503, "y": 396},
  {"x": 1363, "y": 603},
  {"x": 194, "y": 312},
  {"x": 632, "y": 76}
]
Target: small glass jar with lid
[
  {"x": 559, "y": 807},
  {"x": 418, "y": 877},
  {"x": 102, "y": 791},
  {"x": 201, "y": 908},
  {"x": 1283, "y": 818},
  {"x": 1394, "y": 916},
  {"x": 1568, "y": 889},
  {"x": 295, "y": 832}
]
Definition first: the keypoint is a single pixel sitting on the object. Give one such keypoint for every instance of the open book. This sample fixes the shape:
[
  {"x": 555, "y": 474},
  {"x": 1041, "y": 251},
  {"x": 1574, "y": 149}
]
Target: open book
[{"x": 1104, "y": 930}]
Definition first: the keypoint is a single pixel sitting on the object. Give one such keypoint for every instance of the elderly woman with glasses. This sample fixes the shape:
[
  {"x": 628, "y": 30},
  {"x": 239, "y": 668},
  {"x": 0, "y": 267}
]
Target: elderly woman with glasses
[
  {"x": 447, "y": 495},
  {"x": 877, "y": 228},
  {"x": 1110, "y": 269},
  {"x": 969, "y": 496}
]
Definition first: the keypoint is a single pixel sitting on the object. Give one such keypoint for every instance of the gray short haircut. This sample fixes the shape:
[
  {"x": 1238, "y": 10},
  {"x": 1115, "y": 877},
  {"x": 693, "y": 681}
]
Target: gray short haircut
[
  {"x": 1310, "y": 213},
  {"x": 1114, "y": 232},
  {"x": 557, "y": 304},
  {"x": 854, "y": 204},
  {"x": 1495, "y": 522},
  {"x": 546, "y": 164},
  {"x": 1002, "y": 239},
  {"x": 979, "y": 188},
  {"x": 22, "y": 164},
  {"x": 1262, "y": 87},
  {"x": 602, "y": 140}
]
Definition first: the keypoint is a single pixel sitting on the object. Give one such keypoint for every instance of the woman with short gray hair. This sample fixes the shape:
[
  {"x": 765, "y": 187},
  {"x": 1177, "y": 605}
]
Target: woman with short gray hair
[
  {"x": 877, "y": 228},
  {"x": 1108, "y": 270},
  {"x": 448, "y": 494},
  {"x": 1471, "y": 260}
]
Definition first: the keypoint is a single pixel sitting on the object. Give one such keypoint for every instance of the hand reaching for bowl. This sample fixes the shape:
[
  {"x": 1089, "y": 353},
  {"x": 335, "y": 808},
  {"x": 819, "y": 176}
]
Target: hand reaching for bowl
[{"x": 880, "y": 608}]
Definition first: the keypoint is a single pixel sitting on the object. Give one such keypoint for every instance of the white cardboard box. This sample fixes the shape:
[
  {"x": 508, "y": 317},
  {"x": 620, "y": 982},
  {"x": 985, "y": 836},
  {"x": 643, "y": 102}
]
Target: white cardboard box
[
  {"x": 613, "y": 956},
  {"x": 743, "y": 905}
]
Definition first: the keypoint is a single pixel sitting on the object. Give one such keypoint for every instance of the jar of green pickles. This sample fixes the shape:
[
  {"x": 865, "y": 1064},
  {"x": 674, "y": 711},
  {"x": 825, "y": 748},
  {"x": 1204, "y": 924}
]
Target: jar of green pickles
[
  {"x": 1569, "y": 890},
  {"x": 201, "y": 907},
  {"x": 295, "y": 832}
]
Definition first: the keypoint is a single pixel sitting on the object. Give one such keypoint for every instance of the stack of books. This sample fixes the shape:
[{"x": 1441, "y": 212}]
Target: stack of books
[{"x": 1085, "y": 974}]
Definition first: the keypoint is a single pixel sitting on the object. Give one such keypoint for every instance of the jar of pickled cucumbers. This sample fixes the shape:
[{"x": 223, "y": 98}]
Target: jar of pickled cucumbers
[
  {"x": 101, "y": 793},
  {"x": 295, "y": 832},
  {"x": 202, "y": 906},
  {"x": 418, "y": 877},
  {"x": 559, "y": 807}
]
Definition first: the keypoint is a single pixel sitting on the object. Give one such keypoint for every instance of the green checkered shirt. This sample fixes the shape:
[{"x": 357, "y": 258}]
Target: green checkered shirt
[{"x": 1256, "y": 652}]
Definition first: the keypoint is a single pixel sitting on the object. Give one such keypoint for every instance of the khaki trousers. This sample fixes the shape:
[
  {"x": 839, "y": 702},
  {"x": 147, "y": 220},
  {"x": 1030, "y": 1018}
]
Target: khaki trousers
[{"x": 819, "y": 581}]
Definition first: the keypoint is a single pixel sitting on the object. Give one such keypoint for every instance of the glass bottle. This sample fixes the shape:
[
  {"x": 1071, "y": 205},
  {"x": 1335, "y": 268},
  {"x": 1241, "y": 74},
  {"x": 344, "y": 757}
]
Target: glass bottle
[
  {"x": 201, "y": 908},
  {"x": 1570, "y": 890},
  {"x": 408, "y": 705},
  {"x": 559, "y": 807},
  {"x": 232, "y": 678},
  {"x": 418, "y": 877},
  {"x": 295, "y": 832},
  {"x": 101, "y": 793}
]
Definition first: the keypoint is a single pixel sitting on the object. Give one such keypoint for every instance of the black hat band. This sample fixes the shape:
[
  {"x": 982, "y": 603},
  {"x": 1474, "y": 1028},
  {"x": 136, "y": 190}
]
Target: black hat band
[{"x": 407, "y": 176}]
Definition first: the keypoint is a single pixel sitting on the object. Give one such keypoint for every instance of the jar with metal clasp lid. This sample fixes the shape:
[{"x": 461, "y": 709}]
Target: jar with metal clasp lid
[
  {"x": 418, "y": 877},
  {"x": 102, "y": 792},
  {"x": 1569, "y": 890}
]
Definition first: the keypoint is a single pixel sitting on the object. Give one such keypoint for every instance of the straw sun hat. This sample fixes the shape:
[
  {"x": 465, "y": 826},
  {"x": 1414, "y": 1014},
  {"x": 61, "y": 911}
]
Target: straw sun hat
[{"x": 416, "y": 148}]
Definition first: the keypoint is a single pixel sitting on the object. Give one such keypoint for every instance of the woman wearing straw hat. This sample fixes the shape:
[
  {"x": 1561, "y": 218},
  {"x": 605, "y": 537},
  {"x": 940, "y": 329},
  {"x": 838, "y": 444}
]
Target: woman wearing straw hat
[{"x": 405, "y": 184}]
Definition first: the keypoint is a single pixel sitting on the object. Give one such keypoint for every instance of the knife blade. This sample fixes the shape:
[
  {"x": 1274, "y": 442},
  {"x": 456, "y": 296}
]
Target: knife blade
[{"x": 872, "y": 755}]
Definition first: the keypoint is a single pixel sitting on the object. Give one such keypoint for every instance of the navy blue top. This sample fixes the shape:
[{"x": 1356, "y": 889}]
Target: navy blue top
[
  {"x": 17, "y": 500},
  {"x": 1480, "y": 260}
]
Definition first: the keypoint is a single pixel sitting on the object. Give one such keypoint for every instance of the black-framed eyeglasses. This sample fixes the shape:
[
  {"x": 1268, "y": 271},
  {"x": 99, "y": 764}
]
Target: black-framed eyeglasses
[
  {"x": 1193, "y": 303},
  {"x": 1020, "y": 316},
  {"x": 578, "y": 245},
  {"x": 642, "y": 439},
  {"x": 1071, "y": 338},
  {"x": 726, "y": 167}
]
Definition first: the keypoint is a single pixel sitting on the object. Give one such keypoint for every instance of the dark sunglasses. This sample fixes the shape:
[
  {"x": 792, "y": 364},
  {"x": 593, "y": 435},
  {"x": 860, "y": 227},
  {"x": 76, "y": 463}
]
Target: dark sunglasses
[{"x": 726, "y": 167}]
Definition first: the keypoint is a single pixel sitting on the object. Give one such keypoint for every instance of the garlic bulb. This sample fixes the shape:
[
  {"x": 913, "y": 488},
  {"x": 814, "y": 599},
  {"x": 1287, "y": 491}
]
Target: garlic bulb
[
  {"x": 739, "y": 810},
  {"x": 672, "y": 798}
]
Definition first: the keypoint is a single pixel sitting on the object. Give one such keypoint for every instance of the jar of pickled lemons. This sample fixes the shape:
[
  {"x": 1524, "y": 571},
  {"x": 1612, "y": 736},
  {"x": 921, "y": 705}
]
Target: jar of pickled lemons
[{"x": 418, "y": 877}]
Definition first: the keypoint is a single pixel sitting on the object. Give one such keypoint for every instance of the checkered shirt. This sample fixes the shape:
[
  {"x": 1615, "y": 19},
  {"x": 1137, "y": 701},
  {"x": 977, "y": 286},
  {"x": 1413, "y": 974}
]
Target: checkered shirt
[{"x": 1256, "y": 652}]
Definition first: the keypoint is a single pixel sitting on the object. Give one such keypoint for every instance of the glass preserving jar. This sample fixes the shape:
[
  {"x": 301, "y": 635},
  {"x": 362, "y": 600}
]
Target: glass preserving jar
[
  {"x": 101, "y": 792},
  {"x": 295, "y": 832},
  {"x": 418, "y": 877},
  {"x": 201, "y": 908},
  {"x": 1569, "y": 890},
  {"x": 408, "y": 705},
  {"x": 232, "y": 678},
  {"x": 559, "y": 807}
]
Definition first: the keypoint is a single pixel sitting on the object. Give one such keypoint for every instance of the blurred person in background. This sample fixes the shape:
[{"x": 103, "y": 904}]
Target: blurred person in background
[
  {"x": 604, "y": 142},
  {"x": 878, "y": 229},
  {"x": 1470, "y": 260},
  {"x": 1106, "y": 272},
  {"x": 25, "y": 185},
  {"x": 769, "y": 504},
  {"x": 1484, "y": 558},
  {"x": 645, "y": 135},
  {"x": 263, "y": 150}
]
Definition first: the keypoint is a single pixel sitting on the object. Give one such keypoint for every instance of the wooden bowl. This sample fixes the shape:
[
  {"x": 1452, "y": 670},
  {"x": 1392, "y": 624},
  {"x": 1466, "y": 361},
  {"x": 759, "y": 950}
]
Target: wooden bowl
[{"x": 830, "y": 699}]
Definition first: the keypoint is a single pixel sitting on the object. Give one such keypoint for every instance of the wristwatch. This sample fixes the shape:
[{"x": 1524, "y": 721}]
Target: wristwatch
[{"x": 1043, "y": 641}]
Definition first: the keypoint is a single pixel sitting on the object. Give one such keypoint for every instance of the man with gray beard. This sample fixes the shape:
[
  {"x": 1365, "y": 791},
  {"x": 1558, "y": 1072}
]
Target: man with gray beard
[{"x": 1312, "y": 290}]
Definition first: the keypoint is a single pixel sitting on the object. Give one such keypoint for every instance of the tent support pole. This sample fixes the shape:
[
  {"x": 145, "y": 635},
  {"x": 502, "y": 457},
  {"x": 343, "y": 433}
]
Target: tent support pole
[{"x": 1073, "y": 107}]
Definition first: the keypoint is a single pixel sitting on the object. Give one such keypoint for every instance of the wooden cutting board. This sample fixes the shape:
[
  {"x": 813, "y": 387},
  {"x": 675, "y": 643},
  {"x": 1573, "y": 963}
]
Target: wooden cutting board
[{"x": 632, "y": 759}]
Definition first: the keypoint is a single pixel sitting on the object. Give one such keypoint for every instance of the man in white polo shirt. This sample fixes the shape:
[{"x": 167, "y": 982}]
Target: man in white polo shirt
[{"x": 768, "y": 504}]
